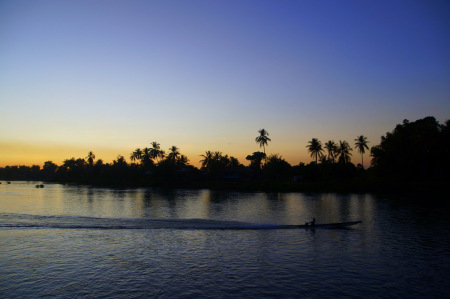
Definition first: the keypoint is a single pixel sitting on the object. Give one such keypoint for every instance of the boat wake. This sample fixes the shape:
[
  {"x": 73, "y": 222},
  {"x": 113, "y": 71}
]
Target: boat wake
[{"x": 11, "y": 220}]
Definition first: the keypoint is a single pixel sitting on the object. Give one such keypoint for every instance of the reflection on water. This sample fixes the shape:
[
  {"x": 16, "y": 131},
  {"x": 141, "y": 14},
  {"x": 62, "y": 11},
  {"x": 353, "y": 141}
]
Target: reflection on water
[
  {"x": 400, "y": 250},
  {"x": 291, "y": 208}
]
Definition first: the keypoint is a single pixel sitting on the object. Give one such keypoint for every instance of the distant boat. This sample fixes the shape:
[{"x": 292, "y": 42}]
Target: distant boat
[{"x": 288, "y": 226}]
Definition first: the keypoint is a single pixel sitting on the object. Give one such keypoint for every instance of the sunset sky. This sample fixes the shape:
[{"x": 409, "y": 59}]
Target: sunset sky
[{"x": 112, "y": 76}]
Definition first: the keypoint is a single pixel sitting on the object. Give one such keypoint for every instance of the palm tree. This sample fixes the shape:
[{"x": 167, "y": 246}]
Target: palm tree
[
  {"x": 136, "y": 155},
  {"x": 146, "y": 158},
  {"x": 315, "y": 148},
  {"x": 207, "y": 159},
  {"x": 361, "y": 145},
  {"x": 263, "y": 139},
  {"x": 213, "y": 162},
  {"x": 218, "y": 157},
  {"x": 331, "y": 147},
  {"x": 156, "y": 152},
  {"x": 90, "y": 158},
  {"x": 173, "y": 153},
  {"x": 182, "y": 161},
  {"x": 344, "y": 151}
]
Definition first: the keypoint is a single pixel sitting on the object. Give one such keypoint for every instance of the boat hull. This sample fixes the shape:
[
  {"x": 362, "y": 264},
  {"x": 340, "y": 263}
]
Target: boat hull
[{"x": 287, "y": 226}]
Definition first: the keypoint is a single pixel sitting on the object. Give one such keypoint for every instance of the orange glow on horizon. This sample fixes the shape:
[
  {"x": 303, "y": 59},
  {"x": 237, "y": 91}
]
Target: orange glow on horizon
[{"x": 21, "y": 153}]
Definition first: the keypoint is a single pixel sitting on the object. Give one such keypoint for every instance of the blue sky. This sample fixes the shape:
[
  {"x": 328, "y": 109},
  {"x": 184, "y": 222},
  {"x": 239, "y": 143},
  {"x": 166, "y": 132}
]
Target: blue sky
[{"x": 111, "y": 76}]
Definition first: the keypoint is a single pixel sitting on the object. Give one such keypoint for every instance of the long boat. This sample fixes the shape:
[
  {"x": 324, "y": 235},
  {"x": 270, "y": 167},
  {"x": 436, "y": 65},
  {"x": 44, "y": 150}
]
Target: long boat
[
  {"x": 11, "y": 220},
  {"x": 285, "y": 226}
]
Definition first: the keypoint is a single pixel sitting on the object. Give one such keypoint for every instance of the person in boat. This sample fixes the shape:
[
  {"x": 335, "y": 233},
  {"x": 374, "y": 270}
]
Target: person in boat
[{"x": 311, "y": 223}]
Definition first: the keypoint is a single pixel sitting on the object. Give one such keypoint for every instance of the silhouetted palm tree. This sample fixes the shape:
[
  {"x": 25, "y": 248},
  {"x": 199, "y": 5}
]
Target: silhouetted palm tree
[
  {"x": 315, "y": 148},
  {"x": 207, "y": 159},
  {"x": 146, "y": 158},
  {"x": 220, "y": 159},
  {"x": 173, "y": 153},
  {"x": 361, "y": 145},
  {"x": 344, "y": 151},
  {"x": 263, "y": 139},
  {"x": 215, "y": 162},
  {"x": 156, "y": 152},
  {"x": 90, "y": 158},
  {"x": 182, "y": 161},
  {"x": 136, "y": 155},
  {"x": 331, "y": 147}
]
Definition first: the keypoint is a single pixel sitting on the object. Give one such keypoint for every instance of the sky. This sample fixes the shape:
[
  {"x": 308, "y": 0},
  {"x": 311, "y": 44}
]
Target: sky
[{"x": 111, "y": 76}]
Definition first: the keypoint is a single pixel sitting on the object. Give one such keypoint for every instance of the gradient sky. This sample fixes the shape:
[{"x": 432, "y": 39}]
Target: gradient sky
[{"x": 112, "y": 76}]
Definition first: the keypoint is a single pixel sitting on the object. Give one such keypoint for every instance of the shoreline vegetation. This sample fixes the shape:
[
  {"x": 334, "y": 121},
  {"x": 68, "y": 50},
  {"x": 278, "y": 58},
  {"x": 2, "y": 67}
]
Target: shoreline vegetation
[{"x": 413, "y": 158}]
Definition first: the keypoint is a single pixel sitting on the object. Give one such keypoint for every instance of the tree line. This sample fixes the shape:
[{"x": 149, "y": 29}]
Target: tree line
[{"x": 413, "y": 151}]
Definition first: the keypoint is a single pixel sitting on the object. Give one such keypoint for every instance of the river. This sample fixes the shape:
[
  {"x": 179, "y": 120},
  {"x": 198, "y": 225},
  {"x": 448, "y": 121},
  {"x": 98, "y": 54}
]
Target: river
[{"x": 77, "y": 241}]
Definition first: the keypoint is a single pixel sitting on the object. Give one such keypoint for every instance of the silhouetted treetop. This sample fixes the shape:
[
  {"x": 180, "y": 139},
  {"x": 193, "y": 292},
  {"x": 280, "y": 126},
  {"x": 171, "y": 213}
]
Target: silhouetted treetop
[
  {"x": 263, "y": 139},
  {"x": 90, "y": 158},
  {"x": 136, "y": 155},
  {"x": 417, "y": 149},
  {"x": 276, "y": 168},
  {"x": 332, "y": 150},
  {"x": 315, "y": 148},
  {"x": 361, "y": 145},
  {"x": 344, "y": 150},
  {"x": 256, "y": 159}
]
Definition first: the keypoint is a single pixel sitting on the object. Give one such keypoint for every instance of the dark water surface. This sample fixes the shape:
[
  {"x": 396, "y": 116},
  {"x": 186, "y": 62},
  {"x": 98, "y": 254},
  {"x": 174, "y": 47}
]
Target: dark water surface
[{"x": 71, "y": 241}]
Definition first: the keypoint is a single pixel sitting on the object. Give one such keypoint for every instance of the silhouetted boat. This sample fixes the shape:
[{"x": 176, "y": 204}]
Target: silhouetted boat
[
  {"x": 289, "y": 226},
  {"x": 74, "y": 222}
]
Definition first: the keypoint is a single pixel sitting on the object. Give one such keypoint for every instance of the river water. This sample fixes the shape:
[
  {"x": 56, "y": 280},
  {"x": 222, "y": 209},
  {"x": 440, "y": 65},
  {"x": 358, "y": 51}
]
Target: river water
[{"x": 77, "y": 241}]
